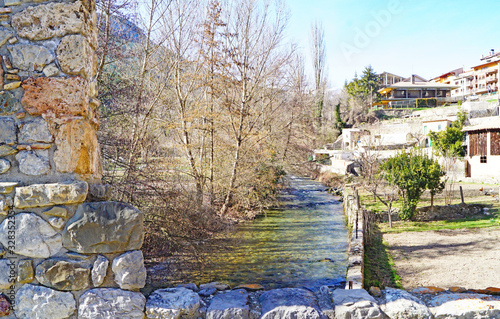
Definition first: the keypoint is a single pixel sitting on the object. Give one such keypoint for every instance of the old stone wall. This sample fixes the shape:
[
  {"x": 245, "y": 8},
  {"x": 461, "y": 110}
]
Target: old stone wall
[
  {"x": 354, "y": 215},
  {"x": 65, "y": 251}
]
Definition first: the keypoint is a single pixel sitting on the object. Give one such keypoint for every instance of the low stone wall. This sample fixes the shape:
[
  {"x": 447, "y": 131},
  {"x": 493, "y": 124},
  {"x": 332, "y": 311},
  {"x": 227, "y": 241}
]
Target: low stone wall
[{"x": 354, "y": 215}]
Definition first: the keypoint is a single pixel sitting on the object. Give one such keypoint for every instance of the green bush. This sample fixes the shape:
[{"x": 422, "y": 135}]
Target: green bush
[
  {"x": 429, "y": 102},
  {"x": 459, "y": 102}
]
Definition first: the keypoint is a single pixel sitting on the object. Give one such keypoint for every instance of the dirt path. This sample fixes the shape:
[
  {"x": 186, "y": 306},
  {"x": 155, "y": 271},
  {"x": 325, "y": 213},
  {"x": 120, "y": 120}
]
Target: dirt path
[{"x": 466, "y": 258}]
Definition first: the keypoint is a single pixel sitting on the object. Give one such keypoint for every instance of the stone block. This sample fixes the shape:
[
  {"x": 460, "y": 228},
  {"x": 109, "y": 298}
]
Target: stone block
[
  {"x": 41, "y": 195},
  {"x": 51, "y": 70},
  {"x": 5, "y": 35},
  {"x": 27, "y": 56},
  {"x": 57, "y": 222},
  {"x": 34, "y": 236},
  {"x": 115, "y": 303},
  {"x": 6, "y": 150},
  {"x": 4, "y": 306},
  {"x": 55, "y": 96},
  {"x": 63, "y": 274},
  {"x": 8, "y": 131},
  {"x": 172, "y": 303},
  {"x": 8, "y": 103},
  {"x": 399, "y": 304},
  {"x": 4, "y": 165},
  {"x": 43, "y": 303},
  {"x": 34, "y": 131},
  {"x": 104, "y": 227},
  {"x": 465, "y": 306},
  {"x": 129, "y": 270},
  {"x": 76, "y": 57},
  {"x": 99, "y": 192},
  {"x": 25, "y": 272},
  {"x": 231, "y": 304},
  {"x": 77, "y": 149},
  {"x": 7, "y": 187},
  {"x": 290, "y": 303},
  {"x": 12, "y": 86},
  {"x": 355, "y": 304},
  {"x": 5, "y": 270},
  {"x": 99, "y": 270},
  {"x": 55, "y": 19},
  {"x": 34, "y": 162},
  {"x": 57, "y": 212}
]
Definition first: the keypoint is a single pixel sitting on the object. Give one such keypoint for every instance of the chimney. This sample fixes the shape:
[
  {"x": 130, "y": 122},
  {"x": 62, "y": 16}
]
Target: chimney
[
  {"x": 492, "y": 51},
  {"x": 413, "y": 79}
]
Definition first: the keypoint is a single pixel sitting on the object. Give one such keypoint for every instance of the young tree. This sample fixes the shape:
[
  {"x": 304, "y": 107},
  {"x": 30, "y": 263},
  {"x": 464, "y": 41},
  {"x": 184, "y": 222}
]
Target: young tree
[
  {"x": 409, "y": 171},
  {"x": 319, "y": 61}
]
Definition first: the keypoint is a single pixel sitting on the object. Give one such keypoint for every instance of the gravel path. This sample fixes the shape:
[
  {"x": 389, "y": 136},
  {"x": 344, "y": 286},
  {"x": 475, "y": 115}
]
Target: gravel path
[{"x": 466, "y": 257}]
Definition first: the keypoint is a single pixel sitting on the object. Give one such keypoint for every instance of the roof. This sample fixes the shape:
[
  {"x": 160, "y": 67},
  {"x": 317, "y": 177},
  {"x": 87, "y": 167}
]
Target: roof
[
  {"x": 452, "y": 72},
  {"x": 443, "y": 120},
  {"x": 490, "y": 123}
]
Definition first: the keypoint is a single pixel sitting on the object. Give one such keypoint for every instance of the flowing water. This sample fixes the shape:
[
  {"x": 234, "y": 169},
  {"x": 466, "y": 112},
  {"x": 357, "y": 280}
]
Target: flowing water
[{"x": 302, "y": 243}]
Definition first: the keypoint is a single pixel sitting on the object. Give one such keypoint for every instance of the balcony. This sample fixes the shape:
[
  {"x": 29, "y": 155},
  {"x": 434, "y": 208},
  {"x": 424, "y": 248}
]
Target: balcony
[{"x": 491, "y": 79}]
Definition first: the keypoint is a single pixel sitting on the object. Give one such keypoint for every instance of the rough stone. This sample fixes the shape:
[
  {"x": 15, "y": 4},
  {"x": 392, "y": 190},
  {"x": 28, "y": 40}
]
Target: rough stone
[
  {"x": 43, "y": 303},
  {"x": 5, "y": 204},
  {"x": 355, "y": 303},
  {"x": 207, "y": 292},
  {"x": 35, "y": 131},
  {"x": 12, "y": 85},
  {"x": 129, "y": 270},
  {"x": 4, "y": 306},
  {"x": 7, "y": 187},
  {"x": 115, "y": 303},
  {"x": 8, "y": 103},
  {"x": 289, "y": 303},
  {"x": 41, "y": 195},
  {"x": 99, "y": 193},
  {"x": 57, "y": 212},
  {"x": 77, "y": 149},
  {"x": 8, "y": 131},
  {"x": 375, "y": 291},
  {"x": 216, "y": 285},
  {"x": 52, "y": 20},
  {"x": 75, "y": 56},
  {"x": 427, "y": 290},
  {"x": 34, "y": 163},
  {"x": 399, "y": 304},
  {"x": 4, "y": 165},
  {"x": 51, "y": 70},
  {"x": 250, "y": 287},
  {"x": 6, "y": 150},
  {"x": 457, "y": 289},
  {"x": 26, "y": 56},
  {"x": 57, "y": 222},
  {"x": 465, "y": 306},
  {"x": 5, "y": 35},
  {"x": 230, "y": 304},
  {"x": 25, "y": 271},
  {"x": 172, "y": 303},
  {"x": 104, "y": 227},
  {"x": 55, "y": 96},
  {"x": 63, "y": 274},
  {"x": 99, "y": 270},
  {"x": 190, "y": 286},
  {"x": 5, "y": 268},
  {"x": 34, "y": 236}
]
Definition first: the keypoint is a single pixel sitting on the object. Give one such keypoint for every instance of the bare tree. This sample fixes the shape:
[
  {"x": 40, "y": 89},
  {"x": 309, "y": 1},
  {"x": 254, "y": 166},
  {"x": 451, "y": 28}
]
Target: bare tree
[{"x": 318, "y": 53}]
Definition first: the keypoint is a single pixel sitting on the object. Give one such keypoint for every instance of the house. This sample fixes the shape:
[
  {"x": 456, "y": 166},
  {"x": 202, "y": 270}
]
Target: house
[
  {"x": 434, "y": 126},
  {"x": 483, "y": 149},
  {"x": 485, "y": 76},
  {"x": 406, "y": 93}
]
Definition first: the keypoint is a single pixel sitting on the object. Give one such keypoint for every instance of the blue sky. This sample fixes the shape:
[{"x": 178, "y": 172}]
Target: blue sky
[{"x": 424, "y": 37}]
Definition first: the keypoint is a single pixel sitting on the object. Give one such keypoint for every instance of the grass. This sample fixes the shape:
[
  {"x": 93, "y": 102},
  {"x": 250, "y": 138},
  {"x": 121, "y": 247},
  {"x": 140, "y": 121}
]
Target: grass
[{"x": 379, "y": 270}]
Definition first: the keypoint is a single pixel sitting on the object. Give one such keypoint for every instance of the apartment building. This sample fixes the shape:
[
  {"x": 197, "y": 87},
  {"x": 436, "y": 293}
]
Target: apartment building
[{"x": 485, "y": 75}]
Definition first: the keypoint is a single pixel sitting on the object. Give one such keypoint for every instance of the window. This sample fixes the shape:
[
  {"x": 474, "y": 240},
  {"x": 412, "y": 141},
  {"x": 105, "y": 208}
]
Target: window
[
  {"x": 439, "y": 127},
  {"x": 482, "y": 159}
]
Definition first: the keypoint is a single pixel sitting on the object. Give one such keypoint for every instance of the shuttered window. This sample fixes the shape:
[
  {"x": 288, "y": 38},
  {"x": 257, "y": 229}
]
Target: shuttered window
[
  {"x": 478, "y": 142},
  {"x": 495, "y": 143}
]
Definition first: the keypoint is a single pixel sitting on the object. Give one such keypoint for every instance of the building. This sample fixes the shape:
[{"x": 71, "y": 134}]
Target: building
[
  {"x": 483, "y": 149},
  {"x": 387, "y": 79},
  {"x": 406, "y": 93},
  {"x": 485, "y": 75},
  {"x": 434, "y": 126}
]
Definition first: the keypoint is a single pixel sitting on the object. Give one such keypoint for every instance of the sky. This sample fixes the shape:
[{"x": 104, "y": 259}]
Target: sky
[{"x": 404, "y": 37}]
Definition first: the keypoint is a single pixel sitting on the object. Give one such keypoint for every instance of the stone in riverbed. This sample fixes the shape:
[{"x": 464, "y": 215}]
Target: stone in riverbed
[
  {"x": 355, "y": 303},
  {"x": 290, "y": 303},
  {"x": 104, "y": 227},
  {"x": 43, "y": 303},
  {"x": 465, "y": 306},
  {"x": 172, "y": 303},
  {"x": 399, "y": 304},
  {"x": 216, "y": 285},
  {"x": 63, "y": 274},
  {"x": 190, "y": 286},
  {"x": 230, "y": 304},
  {"x": 99, "y": 270},
  {"x": 207, "y": 292},
  {"x": 41, "y": 195},
  {"x": 129, "y": 270},
  {"x": 34, "y": 236},
  {"x": 115, "y": 303}
]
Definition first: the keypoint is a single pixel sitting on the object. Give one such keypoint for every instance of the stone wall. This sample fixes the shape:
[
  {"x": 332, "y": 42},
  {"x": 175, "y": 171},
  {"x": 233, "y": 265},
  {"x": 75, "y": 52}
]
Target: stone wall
[
  {"x": 65, "y": 251},
  {"x": 354, "y": 215}
]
